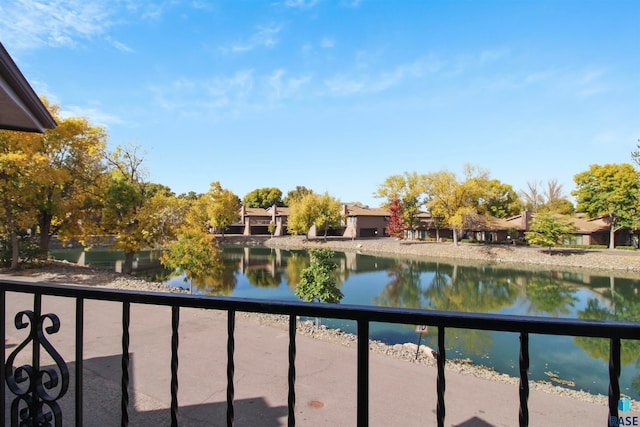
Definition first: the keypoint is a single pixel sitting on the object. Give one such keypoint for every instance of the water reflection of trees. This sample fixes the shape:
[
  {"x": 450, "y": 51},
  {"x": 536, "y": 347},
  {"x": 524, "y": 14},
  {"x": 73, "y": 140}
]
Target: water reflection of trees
[
  {"x": 622, "y": 309},
  {"x": 471, "y": 289},
  {"x": 449, "y": 288},
  {"x": 295, "y": 264},
  {"x": 220, "y": 282},
  {"x": 263, "y": 278},
  {"x": 549, "y": 295},
  {"x": 403, "y": 290}
]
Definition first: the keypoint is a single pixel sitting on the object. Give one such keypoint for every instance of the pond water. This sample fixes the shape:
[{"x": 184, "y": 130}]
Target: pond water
[{"x": 579, "y": 363}]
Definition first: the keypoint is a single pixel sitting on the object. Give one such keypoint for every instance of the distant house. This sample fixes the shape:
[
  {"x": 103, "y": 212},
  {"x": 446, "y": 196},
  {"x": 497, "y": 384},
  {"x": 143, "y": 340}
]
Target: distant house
[
  {"x": 256, "y": 221},
  {"x": 279, "y": 216},
  {"x": 363, "y": 221},
  {"x": 486, "y": 228},
  {"x": 590, "y": 231}
]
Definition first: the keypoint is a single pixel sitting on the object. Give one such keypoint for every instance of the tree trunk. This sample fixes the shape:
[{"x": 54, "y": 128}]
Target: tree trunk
[
  {"x": 612, "y": 237},
  {"x": 15, "y": 250},
  {"x": 44, "y": 221},
  {"x": 127, "y": 267},
  {"x": 455, "y": 236}
]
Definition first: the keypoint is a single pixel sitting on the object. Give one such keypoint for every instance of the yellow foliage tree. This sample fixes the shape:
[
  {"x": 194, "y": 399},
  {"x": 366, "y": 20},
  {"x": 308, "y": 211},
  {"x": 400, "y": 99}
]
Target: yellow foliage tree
[
  {"x": 454, "y": 200},
  {"x": 20, "y": 167},
  {"x": 68, "y": 189},
  {"x": 222, "y": 207}
]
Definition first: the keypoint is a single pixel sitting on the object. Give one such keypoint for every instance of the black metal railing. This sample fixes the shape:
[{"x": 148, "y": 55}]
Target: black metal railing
[{"x": 34, "y": 405}]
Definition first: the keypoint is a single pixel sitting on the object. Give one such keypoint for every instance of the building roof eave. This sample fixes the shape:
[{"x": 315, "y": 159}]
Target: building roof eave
[{"x": 20, "y": 107}]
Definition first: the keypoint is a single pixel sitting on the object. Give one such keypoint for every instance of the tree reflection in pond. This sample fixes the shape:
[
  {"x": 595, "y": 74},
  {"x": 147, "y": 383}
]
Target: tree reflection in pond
[
  {"x": 263, "y": 278},
  {"x": 623, "y": 309},
  {"x": 546, "y": 295},
  {"x": 431, "y": 284},
  {"x": 404, "y": 289},
  {"x": 221, "y": 282},
  {"x": 295, "y": 264}
]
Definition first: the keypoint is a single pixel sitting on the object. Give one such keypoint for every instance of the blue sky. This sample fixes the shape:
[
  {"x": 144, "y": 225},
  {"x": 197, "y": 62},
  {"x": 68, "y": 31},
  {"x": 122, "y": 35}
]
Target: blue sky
[{"x": 338, "y": 95}]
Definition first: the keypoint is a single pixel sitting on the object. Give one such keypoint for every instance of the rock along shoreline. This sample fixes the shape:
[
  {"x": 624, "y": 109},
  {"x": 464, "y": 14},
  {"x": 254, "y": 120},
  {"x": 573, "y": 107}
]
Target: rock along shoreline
[{"x": 621, "y": 262}]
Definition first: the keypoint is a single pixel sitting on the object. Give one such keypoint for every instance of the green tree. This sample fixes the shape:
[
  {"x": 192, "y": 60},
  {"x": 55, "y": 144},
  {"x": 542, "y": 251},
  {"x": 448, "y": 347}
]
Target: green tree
[
  {"x": 410, "y": 189},
  {"x": 223, "y": 207},
  {"x": 263, "y": 198},
  {"x": 153, "y": 189},
  {"x": 127, "y": 211},
  {"x": 499, "y": 200},
  {"x": 549, "y": 230},
  {"x": 318, "y": 281},
  {"x": 195, "y": 254},
  {"x": 161, "y": 217},
  {"x": 610, "y": 191},
  {"x": 296, "y": 195}
]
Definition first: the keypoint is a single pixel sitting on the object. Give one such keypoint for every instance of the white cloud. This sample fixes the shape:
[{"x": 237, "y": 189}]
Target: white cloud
[
  {"x": 327, "y": 43},
  {"x": 476, "y": 60},
  {"x": 344, "y": 85},
  {"x": 351, "y": 3},
  {"x": 206, "y": 97},
  {"x": 28, "y": 24},
  {"x": 120, "y": 46},
  {"x": 283, "y": 86},
  {"x": 513, "y": 81},
  {"x": 300, "y": 4},
  {"x": 94, "y": 114},
  {"x": 589, "y": 83},
  {"x": 265, "y": 36},
  {"x": 237, "y": 86},
  {"x": 33, "y": 24}
]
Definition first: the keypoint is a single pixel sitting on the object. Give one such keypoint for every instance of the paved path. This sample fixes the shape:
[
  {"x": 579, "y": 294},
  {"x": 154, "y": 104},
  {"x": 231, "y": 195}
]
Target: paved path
[{"x": 401, "y": 393}]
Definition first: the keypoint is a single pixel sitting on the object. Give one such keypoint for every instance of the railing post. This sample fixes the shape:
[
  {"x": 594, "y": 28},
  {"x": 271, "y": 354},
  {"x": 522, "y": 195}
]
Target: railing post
[
  {"x": 291, "y": 403},
  {"x": 441, "y": 358},
  {"x": 363, "y": 373},
  {"x": 79, "y": 360},
  {"x": 3, "y": 333},
  {"x": 35, "y": 351},
  {"x": 614, "y": 377},
  {"x": 523, "y": 414},
  {"x": 124, "y": 402},
  {"x": 231, "y": 325},
  {"x": 175, "y": 321}
]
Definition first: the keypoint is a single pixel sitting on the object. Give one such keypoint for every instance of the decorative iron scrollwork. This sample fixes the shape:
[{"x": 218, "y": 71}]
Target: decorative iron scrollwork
[{"x": 37, "y": 389}]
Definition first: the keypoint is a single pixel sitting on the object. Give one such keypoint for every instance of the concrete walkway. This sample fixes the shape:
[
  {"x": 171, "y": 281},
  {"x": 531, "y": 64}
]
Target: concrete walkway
[{"x": 401, "y": 393}]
